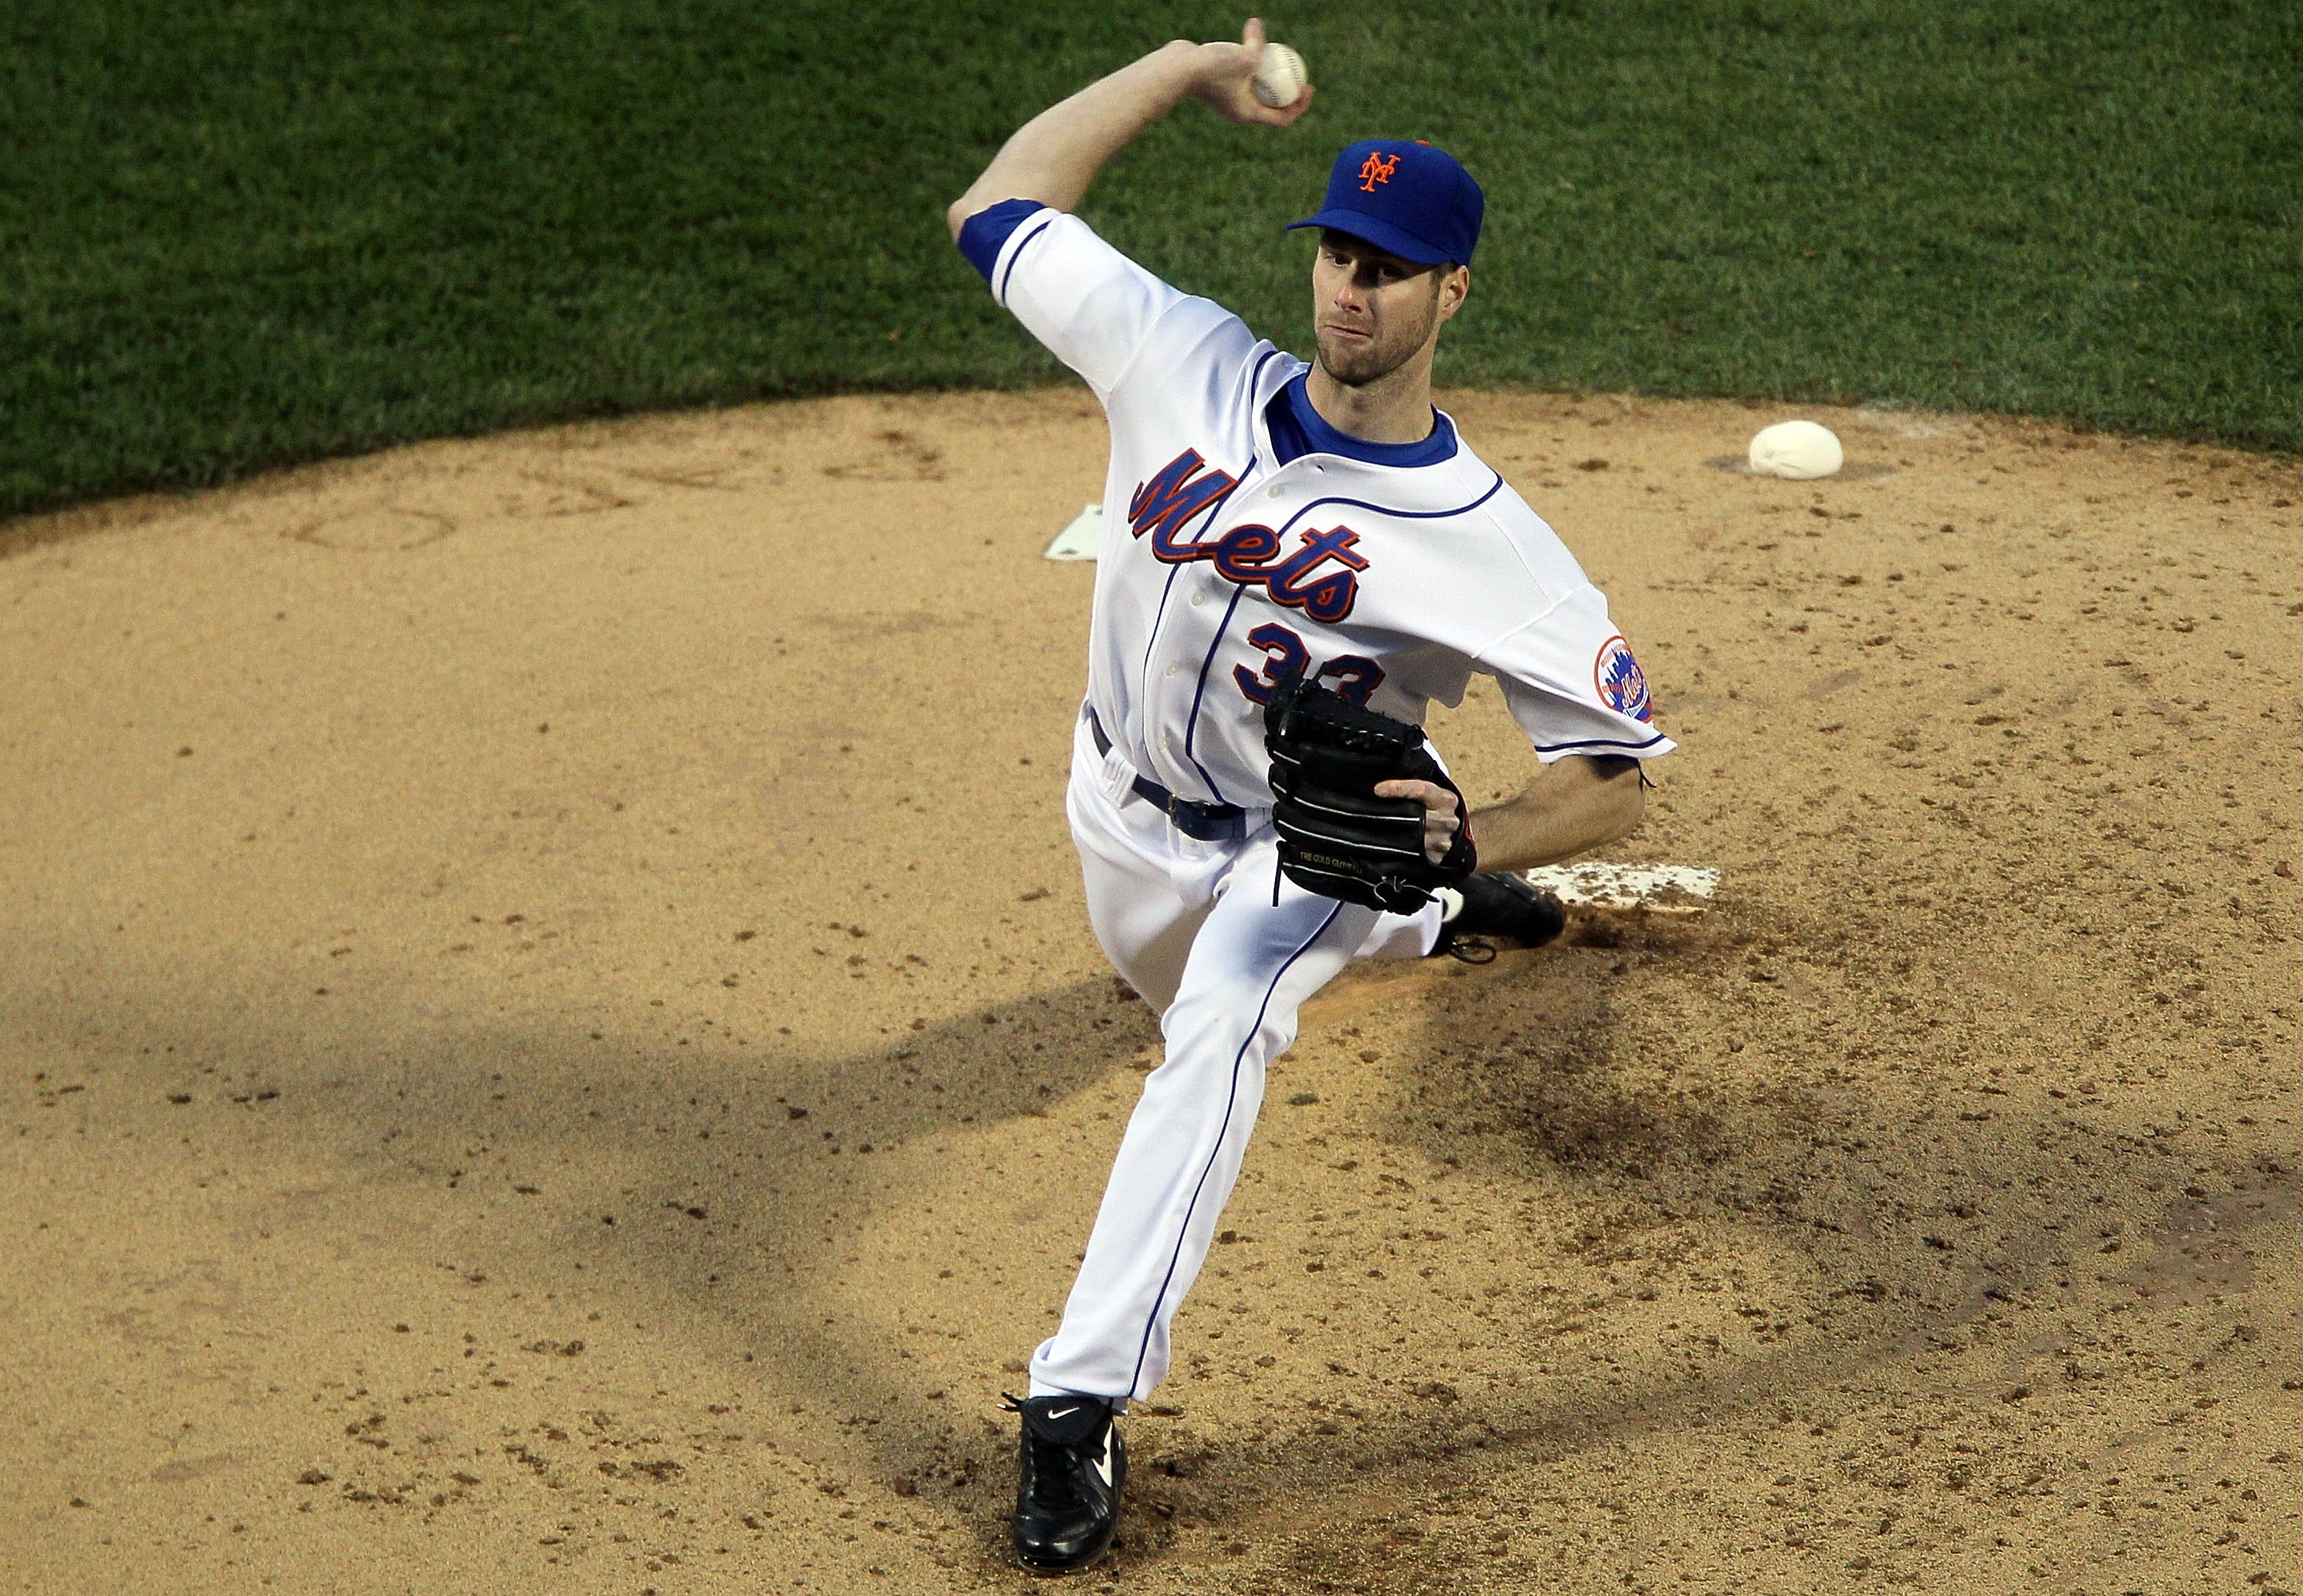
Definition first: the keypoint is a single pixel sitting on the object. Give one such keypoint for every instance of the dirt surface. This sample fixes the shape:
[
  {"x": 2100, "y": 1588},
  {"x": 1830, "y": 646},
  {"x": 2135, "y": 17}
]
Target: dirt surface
[{"x": 549, "y": 1041}]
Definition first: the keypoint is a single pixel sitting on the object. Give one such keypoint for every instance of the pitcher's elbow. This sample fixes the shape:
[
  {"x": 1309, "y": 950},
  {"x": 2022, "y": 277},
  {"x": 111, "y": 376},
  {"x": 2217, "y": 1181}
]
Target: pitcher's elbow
[{"x": 1631, "y": 808}]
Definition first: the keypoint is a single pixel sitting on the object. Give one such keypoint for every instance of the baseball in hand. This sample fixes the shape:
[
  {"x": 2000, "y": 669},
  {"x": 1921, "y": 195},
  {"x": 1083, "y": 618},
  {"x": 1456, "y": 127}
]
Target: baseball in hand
[
  {"x": 1798, "y": 450},
  {"x": 1279, "y": 77}
]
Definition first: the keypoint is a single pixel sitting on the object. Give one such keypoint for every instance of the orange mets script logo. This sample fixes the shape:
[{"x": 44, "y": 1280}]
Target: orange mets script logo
[{"x": 1376, "y": 169}]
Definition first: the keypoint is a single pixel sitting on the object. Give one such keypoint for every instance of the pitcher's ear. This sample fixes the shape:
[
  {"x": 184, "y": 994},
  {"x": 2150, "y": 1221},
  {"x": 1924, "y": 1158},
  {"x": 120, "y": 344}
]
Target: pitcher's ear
[{"x": 1458, "y": 278}]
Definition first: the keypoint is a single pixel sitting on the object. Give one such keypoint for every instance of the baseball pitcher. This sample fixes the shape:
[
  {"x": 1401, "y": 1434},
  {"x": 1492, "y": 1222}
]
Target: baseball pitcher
[{"x": 1297, "y": 559}]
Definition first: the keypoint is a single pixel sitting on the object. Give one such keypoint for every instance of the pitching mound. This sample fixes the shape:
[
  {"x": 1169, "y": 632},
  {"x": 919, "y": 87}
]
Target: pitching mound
[{"x": 553, "y": 1041}]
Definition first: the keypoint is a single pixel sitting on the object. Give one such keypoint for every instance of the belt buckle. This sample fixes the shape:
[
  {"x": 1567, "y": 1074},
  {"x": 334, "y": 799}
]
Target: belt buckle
[{"x": 1174, "y": 804}]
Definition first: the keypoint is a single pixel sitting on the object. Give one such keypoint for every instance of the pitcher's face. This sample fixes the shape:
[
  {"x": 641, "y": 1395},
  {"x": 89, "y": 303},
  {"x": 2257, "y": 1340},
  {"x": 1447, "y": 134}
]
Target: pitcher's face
[{"x": 1373, "y": 311}]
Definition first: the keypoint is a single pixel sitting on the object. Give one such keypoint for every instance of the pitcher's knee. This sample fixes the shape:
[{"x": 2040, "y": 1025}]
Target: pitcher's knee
[{"x": 1222, "y": 1021}]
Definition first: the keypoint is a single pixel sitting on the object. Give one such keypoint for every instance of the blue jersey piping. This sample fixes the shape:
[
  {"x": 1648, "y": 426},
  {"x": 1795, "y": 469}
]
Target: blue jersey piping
[{"x": 1231, "y": 1105}]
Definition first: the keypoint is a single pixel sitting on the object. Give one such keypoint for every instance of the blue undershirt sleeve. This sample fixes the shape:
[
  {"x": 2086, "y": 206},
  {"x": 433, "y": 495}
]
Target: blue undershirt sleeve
[{"x": 985, "y": 233}]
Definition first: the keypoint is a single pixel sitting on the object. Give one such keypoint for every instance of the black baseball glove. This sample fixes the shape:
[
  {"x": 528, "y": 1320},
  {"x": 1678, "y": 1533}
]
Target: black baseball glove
[{"x": 1336, "y": 837}]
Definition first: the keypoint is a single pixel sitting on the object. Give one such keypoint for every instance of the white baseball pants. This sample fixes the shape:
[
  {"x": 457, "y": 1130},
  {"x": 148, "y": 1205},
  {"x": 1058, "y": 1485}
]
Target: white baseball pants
[{"x": 1191, "y": 927}]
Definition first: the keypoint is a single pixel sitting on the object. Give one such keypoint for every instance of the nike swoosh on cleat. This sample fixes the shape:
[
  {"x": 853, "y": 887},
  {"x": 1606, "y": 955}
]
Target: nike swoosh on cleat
[
  {"x": 1058, "y": 1412},
  {"x": 1103, "y": 1465}
]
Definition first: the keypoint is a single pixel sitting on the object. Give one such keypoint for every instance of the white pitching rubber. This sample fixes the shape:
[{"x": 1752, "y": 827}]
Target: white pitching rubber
[
  {"x": 1661, "y": 889},
  {"x": 1077, "y": 540}
]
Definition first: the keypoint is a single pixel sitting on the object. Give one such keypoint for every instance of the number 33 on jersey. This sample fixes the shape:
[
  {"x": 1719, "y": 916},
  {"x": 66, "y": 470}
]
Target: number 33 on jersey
[{"x": 1245, "y": 541}]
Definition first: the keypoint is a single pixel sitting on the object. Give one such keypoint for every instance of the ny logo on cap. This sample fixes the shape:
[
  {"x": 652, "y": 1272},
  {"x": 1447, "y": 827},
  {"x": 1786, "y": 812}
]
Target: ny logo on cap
[{"x": 1376, "y": 169}]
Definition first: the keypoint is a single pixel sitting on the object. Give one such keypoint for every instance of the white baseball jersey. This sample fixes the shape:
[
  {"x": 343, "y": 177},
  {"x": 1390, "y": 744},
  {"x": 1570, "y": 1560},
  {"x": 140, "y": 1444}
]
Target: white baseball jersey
[{"x": 1223, "y": 569}]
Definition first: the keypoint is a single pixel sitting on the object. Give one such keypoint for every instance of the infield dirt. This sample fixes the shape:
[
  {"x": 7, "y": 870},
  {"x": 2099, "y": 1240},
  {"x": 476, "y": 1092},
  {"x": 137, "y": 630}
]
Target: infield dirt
[{"x": 548, "y": 1040}]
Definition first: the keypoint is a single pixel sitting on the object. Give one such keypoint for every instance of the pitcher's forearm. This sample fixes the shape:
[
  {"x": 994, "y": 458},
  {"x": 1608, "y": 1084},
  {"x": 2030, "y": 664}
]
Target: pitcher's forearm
[
  {"x": 1053, "y": 157},
  {"x": 1575, "y": 806}
]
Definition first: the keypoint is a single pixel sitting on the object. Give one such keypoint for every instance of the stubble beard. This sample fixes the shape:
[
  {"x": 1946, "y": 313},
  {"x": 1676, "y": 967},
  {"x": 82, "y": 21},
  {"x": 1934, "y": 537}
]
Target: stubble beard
[{"x": 1356, "y": 363}]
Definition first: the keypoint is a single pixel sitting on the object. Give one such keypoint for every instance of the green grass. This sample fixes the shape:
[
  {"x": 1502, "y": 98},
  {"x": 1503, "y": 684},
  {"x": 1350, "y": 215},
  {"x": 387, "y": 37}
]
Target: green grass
[{"x": 256, "y": 232}]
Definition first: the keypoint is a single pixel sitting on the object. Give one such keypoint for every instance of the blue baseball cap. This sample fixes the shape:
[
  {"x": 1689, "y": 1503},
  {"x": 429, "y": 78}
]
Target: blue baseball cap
[{"x": 1405, "y": 196}]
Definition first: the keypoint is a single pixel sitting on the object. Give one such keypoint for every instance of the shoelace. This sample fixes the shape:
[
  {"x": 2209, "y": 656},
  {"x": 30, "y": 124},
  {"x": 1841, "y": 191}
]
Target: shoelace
[
  {"x": 1472, "y": 949},
  {"x": 1055, "y": 1466}
]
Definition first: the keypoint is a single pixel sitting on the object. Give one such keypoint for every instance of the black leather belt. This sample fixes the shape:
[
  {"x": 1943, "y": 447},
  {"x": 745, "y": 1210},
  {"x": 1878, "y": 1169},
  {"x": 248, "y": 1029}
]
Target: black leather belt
[{"x": 1202, "y": 823}]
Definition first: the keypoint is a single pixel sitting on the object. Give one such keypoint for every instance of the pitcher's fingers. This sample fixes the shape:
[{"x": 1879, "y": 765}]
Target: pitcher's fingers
[
  {"x": 1284, "y": 115},
  {"x": 1429, "y": 794}
]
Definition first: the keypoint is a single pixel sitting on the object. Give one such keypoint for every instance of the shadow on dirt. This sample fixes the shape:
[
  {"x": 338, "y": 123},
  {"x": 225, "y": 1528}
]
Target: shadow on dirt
[
  {"x": 1919, "y": 1202},
  {"x": 1915, "y": 1203}
]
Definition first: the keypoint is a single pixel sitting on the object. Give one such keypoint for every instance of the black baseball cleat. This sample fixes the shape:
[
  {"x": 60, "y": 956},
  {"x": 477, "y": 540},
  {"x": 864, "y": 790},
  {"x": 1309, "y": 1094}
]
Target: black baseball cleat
[
  {"x": 1071, "y": 1467},
  {"x": 1501, "y": 905}
]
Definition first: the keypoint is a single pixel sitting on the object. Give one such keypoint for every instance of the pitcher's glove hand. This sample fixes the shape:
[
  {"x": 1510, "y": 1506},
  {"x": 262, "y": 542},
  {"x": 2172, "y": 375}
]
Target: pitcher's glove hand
[{"x": 1336, "y": 837}]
